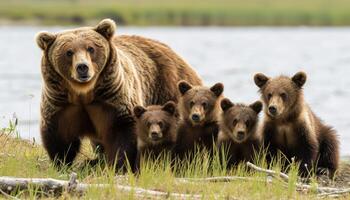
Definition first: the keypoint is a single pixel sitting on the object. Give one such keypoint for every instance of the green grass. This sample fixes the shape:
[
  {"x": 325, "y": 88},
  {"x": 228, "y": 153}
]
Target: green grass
[
  {"x": 23, "y": 158},
  {"x": 180, "y": 12}
]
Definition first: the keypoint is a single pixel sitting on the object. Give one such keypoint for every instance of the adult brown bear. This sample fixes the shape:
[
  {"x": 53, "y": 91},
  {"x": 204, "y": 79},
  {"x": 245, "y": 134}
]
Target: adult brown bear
[{"x": 92, "y": 81}]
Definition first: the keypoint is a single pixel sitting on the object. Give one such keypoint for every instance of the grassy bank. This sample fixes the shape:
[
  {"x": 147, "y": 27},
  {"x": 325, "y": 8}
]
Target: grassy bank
[
  {"x": 21, "y": 158},
  {"x": 180, "y": 12}
]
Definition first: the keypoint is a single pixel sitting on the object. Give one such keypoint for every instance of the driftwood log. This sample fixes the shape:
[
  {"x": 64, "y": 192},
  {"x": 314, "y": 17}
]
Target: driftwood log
[
  {"x": 55, "y": 186},
  {"x": 218, "y": 179}
]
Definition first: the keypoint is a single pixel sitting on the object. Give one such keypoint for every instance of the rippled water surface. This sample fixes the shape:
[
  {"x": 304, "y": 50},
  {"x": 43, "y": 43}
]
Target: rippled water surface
[{"x": 228, "y": 55}]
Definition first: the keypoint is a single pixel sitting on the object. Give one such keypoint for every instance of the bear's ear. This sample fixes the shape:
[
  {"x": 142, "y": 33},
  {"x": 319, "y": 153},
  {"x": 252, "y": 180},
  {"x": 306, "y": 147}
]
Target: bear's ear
[
  {"x": 226, "y": 104},
  {"x": 260, "y": 79},
  {"x": 45, "y": 39},
  {"x": 217, "y": 89},
  {"x": 106, "y": 28},
  {"x": 170, "y": 107},
  {"x": 256, "y": 106},
  {"x": 138, "y": 111},
  {"x": 299, "y": 79},
  {"x": 184, "y": 87}
]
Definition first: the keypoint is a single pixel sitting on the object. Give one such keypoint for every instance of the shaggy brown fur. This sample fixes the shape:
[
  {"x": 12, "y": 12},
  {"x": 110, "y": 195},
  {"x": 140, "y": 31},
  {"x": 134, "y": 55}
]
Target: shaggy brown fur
[
  {"x": 238, "y": 131},
  {"x": 156, "y": 130},
  {"x": 292, "y": 128},
  {"x": 92, "y": 81},
  {"x": 200, "y": 108}
]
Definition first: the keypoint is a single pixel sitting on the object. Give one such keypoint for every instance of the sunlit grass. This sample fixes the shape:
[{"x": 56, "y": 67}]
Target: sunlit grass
[{"x": 21, "y": 158}]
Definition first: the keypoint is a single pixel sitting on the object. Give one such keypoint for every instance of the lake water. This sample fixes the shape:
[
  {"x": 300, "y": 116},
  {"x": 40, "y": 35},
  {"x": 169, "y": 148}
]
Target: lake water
[{"x": 228, "y": 55}]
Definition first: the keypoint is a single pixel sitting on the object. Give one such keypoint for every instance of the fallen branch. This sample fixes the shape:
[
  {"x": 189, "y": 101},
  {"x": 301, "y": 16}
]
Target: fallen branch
[
  {"x": 215, "y": 179},
  {"x": 219, "y": 179},
  {"x": 269, "y": 172},
  {"x": 55, "y": 186},
  {"x": 336, "y": 193},
  {"x": 322, "y": 191}
]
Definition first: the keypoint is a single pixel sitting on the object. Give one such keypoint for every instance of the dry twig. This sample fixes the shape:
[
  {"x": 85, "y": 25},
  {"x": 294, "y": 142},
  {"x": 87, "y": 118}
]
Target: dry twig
[{"x": 7, "y": 195}]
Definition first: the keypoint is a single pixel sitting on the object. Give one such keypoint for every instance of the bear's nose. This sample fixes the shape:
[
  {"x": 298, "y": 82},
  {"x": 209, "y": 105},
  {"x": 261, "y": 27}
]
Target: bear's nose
[
  {"x": 154, "y": 135},
  {"x": 240, "y": 135},
  {"x": 195, "y": 117},
  {"x": 272, "y": 110},
  {"x": 82, "y": 70}
]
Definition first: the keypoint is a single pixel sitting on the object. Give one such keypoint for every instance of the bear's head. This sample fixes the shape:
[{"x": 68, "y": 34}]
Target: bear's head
[
  {"x": 78, "y": 55},
  {"x": 199, "y": 104},
  {"x": 280, "y": 94},
  {"x": 239, "y": 121},
  {"x": 156, "y": 124}
]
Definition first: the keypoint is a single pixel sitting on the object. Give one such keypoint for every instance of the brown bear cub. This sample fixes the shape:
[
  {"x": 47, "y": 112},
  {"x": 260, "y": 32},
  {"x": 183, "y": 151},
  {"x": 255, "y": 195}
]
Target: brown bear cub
[
  {"x": 238, "y": 135},
  {"x": 156, "y": 130},
  {"x": 292, "y": 128},
  {"x": 199, "y": 107}
]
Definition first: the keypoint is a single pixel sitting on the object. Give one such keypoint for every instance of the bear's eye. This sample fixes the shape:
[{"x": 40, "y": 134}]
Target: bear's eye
[
  {"x": 191, "y": 104},
  {"x": 234, "y": 122},
  {"x": 91, "y": 50},
  {"x": 269, "y": 96},
  {"x": 283, "y": 96},
  {"x": 69, "y": 53},
  {"x": 247, "y": 123},
  {"x": 148, "y": 124},
  {"x": 160, "y": 124},
  {"x": 204, "y": 104}
]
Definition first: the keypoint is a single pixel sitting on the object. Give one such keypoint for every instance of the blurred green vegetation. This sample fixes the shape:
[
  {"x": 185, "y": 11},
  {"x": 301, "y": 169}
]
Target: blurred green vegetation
[{"x": 179, "y": 12}]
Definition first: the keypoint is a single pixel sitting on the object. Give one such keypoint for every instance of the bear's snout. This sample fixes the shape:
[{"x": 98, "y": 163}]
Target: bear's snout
[
  {"x": 197, "y": 115},
  {"x": 239, "y": 132},
  {"x": 155, "y": 132},
  {"x": 196, "y": 118},
  {"x": 240, "y": 135},
  {"x": 155, "y": 136},
  {"x": 273, "y": 110},
  {"x": 82, "y": 70}
]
